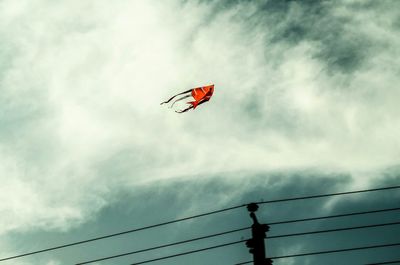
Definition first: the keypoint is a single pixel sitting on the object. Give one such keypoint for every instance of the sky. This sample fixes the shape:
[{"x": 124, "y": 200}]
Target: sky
[{"x": 305, "y": 102}]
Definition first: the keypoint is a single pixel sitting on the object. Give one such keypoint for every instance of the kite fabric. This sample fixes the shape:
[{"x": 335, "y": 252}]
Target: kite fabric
[{"x": 199, "y": 94}]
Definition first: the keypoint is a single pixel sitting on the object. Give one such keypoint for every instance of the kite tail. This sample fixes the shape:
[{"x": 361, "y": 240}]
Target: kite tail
[
  {"x": 182, "y": 111},
  {"x": 179, "y": 99},
  {"x": 190, "y": 90}
]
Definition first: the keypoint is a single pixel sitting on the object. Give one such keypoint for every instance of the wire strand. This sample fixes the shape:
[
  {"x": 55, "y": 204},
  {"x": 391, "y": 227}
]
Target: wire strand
[
  {"x": 329, "y": 251},
  {"x": 335, "y": 230},
  {"x": 190, "y": 252},
  {"x": 117, "y": 234},
  {"x": 384, "y": 262},
  {"x": 236, "y": 230},
  {"x": 188, "y": 218},
  {"x": 327, "y": 195},
  {"x": 163, "y": 246},
  {"x": 334, "y": 216},
  {"x": 276, "y": 257}
]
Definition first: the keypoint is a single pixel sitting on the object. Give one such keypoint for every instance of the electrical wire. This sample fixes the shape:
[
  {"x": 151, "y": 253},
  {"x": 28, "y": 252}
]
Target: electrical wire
[
  {"x": 276, "y": 257},
  {"x": 241, "y": 229},
  {"x": 327, "y": 195},
  {"x": 236, "y": 230},
  {"x": 334, "y": 216},
  {"x": 190, "y": 252},
  {"x": 162, "y": 246},
  {"x": 384, "y": 262},
  {"x": 192, "y": 217},
  {"x": 117, "y": 234},
  {"x": 334, "y": 230},
  {"x": 329, "y": 251}
]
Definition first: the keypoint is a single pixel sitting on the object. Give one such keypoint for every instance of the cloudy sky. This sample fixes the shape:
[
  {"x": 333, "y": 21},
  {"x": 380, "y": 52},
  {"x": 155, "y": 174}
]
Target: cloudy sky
[{"x": 306, "y": 102}]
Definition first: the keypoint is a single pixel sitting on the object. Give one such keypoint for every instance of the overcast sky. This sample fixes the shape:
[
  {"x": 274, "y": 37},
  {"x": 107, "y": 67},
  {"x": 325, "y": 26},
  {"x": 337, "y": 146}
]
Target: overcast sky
[{"x": 306, "y": 102}]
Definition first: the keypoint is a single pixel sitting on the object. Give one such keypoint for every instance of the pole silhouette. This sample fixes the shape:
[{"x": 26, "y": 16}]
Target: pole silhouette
[{"x": 256, "y": 244}]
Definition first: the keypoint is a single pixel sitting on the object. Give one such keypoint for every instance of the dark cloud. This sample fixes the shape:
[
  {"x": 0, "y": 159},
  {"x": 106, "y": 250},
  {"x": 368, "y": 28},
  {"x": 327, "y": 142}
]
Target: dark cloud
[
  {"x": 313, "y": 21},
  {"x": 175, "y": 199},
  {"x": 338, "y": 45}
]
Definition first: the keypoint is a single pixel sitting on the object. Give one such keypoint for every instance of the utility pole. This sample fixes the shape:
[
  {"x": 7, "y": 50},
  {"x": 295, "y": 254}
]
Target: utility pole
[{"x": 256, "y": 243}]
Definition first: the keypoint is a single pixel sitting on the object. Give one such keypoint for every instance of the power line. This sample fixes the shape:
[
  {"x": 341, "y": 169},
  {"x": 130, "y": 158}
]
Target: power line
[
  {"x": 192, "y": 217},
  {"x": 330, "y": 251},
  {"x": 236, "y": 230},
  {"x": 163, "y": 246},
  {"x": 327, "y": 195},
  {"x": 384, "y": 262},
  {"x": 276, "y": 257},
  {"x": 334, "y": 216},
  {"x": 334, "y": 230},
  {"x": 190, "y": 252},
  {"x": 118, "y": 234}
]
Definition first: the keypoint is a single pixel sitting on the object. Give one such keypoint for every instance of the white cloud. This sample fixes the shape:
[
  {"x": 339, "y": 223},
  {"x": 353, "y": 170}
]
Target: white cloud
[{"x": 85, "y": 79}]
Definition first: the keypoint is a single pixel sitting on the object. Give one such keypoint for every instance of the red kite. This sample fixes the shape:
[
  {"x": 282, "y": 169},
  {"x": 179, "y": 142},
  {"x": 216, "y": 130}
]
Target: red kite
[{"x": 199, "y": 94}]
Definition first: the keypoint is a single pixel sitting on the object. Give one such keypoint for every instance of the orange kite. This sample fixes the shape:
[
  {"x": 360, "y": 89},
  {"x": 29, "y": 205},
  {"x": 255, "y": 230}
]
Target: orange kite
[{"x": 199, "y": 94}]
